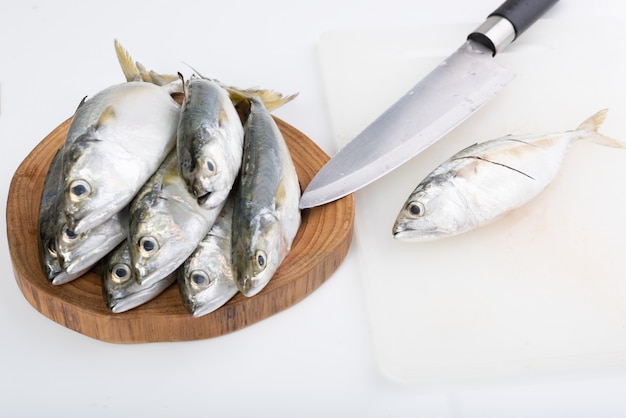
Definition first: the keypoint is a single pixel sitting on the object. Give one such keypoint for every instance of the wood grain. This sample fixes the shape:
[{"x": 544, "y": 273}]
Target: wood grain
[{"x": 318, "y": 249}]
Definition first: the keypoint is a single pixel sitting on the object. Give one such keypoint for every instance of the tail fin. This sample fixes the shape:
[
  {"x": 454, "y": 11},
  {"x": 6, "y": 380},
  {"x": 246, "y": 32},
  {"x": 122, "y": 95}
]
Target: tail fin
[
  {"x": 135, "y": 71},
  {"x": 270, "y": 99},
  {"x": 592, "y": 124},
  {"x": 130, "y": 70}
]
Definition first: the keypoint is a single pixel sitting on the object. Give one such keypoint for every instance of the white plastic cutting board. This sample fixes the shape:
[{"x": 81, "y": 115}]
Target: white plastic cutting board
[{"x": 540, "y": 291}]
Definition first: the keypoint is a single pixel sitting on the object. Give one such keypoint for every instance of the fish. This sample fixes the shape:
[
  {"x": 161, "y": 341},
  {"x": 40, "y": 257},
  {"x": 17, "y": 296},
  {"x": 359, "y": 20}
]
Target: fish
[
  {"x": 266, "y": 214},
  {"x": 48, "y": 219},
  {"x": 116, "y": 140},
  {"x": 210, "y": 140},
  {"x": 120, "y": 289},
  {"x": 488, "y": 180},
  {"x": 65, "y": 256},
  {"x": 166, "y": 223},
  {"x": 80, "y": 252},
  {"x": 205, "y": 280}
]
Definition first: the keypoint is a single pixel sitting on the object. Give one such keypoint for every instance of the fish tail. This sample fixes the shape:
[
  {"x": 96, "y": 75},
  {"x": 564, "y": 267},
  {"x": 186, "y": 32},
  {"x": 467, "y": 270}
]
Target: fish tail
[
  {"x": 270, "y": 99},
  {"x": 592, "y": 124},
  {"x": 135, "y": 71},
  {"x": 130, "y": 70}
]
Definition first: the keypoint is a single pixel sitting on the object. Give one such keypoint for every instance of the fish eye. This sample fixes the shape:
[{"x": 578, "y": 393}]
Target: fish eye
[
  {"x": 80, "y": 189},
  {"x": 120, "y": 273},
  {"x": 148, "y": 245},
  {"x": 260, "y": 261},
  {"x": 199, "y": 279},
  {"x": 416, "y": 208},
  {"x": 210, "y": 166},
  {"x": 68, "y": 234}
]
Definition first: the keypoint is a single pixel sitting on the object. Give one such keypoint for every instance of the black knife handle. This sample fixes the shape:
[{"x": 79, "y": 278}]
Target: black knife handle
[
  {"x": 522, "y": 13},
  {"x": 508, "y": 22}
]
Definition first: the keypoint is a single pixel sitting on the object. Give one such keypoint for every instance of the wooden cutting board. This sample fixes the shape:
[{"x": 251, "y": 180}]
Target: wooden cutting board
[
  {"x": 540, "y": 291},
  {"x": 318, "y": 249}
]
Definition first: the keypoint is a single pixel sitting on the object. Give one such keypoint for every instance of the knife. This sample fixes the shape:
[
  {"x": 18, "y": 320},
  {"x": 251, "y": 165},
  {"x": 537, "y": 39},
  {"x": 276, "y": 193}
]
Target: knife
[{"x": 448, "y": 95}]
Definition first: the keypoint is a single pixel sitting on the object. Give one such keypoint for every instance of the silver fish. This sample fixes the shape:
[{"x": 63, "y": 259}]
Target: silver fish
[
  {"x": 116, "y": 140},
  {"x": 166, "y": 223},
  {"x": 120, "y": 288},
  {"x": 205, "y": 280},
  {"x": 266, "y": 215},
  {"x": 488, "y": 180},
  {"x": 210, "y": 140}
]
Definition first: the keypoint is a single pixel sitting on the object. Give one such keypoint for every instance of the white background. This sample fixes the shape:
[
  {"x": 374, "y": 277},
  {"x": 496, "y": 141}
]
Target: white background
[{"x": 314, "y": 359}]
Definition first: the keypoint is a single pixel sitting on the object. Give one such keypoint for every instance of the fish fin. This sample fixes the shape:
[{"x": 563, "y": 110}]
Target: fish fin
[
  {"x": 281, "y": 195},
  {"x": 136, "y": 71},
  {"x": 144, "y": 74},
  {"x": 592, "y": 124},
  {"x": 270, "y": 98},
  {"x": 162, "y": 79},
  {"x": 82, "y": 102},
  {"x": 130, "y": 70},
  {"x": 107, "y": 114}
]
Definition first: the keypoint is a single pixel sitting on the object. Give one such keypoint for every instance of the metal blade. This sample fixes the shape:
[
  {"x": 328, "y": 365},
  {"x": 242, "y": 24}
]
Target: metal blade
[{"x": 447, "y": 96}]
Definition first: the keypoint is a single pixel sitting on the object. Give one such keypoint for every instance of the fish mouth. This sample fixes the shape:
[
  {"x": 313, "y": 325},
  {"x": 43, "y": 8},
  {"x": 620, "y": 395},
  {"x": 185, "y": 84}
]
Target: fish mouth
[
  {"x": 63, "y": 277},
  {"x": 402, "y": 233},
  {"x": 133, "y": 300},
  {"x": 199, "y": 306},
  {"x": 202, "y": 199}
]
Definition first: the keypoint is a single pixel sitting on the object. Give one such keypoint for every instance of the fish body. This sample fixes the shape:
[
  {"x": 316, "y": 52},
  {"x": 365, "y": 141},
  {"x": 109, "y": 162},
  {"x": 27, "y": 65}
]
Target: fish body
[
  {"x": 115, "y": 141},
  {"x": 266, "y": 215},
  {"x": 210, "y": 141},
  {"x": 121, "y": 290},
  {"x": 485, "y": 181},
  {"x": 166, "y": 223},
  {"x": 205, "y": 280}
]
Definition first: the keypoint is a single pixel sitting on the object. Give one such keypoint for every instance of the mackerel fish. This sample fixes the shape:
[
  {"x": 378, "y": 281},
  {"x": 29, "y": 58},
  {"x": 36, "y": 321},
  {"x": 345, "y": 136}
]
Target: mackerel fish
[
  {"x": 485, "y": 181},
  {"x": 266, "y": 214},
  {"x": 115, "y": 141},
  {"x": 166, "y": 223},
  {"x": 205, "y": 280},
  {"x": 210, "y": 141}
]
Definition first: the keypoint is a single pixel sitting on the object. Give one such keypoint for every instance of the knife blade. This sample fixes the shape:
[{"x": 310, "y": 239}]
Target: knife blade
[{"x": 448, "y": 95}]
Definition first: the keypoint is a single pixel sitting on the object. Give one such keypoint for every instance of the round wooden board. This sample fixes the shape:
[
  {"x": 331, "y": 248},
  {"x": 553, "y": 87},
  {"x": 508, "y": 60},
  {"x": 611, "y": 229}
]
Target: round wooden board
[{"x": 318, "y": 249}]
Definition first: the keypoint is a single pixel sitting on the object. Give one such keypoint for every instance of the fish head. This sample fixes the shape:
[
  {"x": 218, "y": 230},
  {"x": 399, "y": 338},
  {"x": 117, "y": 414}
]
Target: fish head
[
  {"x": 434, "y": 209},
  {"x": 162, "y": 234},
  {"x": 79, "y": 252},
  {"x": 210, "y": 162},
  {"x": 89, "y": 197},
  {"x": 206, "y": 279},
  {"x": 120, "y": 288},
  {"x": 257, "y": 255}
]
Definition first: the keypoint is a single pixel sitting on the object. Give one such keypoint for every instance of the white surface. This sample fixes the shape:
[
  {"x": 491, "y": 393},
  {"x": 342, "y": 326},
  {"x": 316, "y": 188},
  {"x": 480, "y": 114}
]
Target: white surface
[
  {"x": 541, "y": 290},
  {"x": 316, "y": 358}
]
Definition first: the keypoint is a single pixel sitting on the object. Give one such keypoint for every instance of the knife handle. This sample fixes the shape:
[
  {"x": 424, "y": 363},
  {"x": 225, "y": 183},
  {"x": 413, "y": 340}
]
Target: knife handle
[{"x": 508, "y": 22}]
